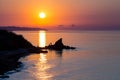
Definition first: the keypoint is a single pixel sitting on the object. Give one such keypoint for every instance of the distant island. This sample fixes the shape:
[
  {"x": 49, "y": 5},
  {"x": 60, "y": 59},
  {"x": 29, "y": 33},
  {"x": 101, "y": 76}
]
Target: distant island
[
  {"x": 87, "y": 27},
  {"x": 16, "y": 28},
  {"x": 62, "y": 27}
]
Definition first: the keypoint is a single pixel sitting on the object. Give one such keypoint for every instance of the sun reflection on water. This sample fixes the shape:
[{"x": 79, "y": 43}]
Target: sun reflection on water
[
  {"x": 43, "y": 58},
  {"x": 42, "y": 38},
  {"x": 43, "y": 68}
]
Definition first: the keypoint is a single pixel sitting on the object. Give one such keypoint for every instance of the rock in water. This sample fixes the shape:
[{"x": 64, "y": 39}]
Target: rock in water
[{"x": 59, "y": 45}]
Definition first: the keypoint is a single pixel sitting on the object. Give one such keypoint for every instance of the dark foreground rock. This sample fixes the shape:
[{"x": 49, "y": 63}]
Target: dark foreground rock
[
  {"x": 12, "y": 41},
  {"x": 12, "y": 47},
  {"x": 9, "y": 59},
  {"x": 58, "y": 45}
]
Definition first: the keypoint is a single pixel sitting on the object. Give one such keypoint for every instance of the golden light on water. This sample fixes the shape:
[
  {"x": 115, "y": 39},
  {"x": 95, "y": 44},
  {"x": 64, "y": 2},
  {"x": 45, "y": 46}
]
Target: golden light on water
[
  {"x": 43, "y": 66},
  {"x": 43, "y": 58},
  {"x": 42, "y": 39}
]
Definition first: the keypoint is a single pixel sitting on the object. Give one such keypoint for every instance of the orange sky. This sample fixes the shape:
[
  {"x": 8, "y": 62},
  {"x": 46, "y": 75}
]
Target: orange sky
[{"x": 65, "y": 12}]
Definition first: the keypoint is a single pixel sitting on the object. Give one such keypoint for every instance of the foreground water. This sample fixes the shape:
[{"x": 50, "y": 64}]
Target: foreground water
[{"x": 97, "y": 57}]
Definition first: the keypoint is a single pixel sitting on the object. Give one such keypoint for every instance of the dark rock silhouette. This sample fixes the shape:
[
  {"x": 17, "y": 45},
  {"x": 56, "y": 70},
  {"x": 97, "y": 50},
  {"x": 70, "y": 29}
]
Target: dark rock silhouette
[
  {"x": 10, "y": 41},
  {"x": 9, "y": 59},
  {"x": 58, "y": 45},
  {"x": 12, "y": 47}
]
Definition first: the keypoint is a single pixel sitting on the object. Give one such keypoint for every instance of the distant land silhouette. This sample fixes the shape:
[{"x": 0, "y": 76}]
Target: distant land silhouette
[
  {"x": 61, "y": 27},
  {"x": 15, "y": 28},
  {"x": 88, "y": 27}
]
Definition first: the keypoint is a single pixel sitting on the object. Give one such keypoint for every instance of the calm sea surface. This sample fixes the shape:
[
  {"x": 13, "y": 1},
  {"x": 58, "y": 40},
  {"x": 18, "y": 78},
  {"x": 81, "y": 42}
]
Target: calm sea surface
[{"x": 97, "y": 56}]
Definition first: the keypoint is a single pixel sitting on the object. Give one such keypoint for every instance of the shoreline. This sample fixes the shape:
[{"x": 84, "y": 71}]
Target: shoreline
[
  {"x": 9, "y": 59},
  {"x": 12, "y": 48}
]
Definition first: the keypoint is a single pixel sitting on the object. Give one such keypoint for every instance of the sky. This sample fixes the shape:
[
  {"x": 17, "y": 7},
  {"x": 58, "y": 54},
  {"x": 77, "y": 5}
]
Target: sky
[{"x": 60, "y": 12}]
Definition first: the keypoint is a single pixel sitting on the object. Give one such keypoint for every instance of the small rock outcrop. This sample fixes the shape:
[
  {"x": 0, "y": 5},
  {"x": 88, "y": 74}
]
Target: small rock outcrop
[{"x": 59, "y": 45}]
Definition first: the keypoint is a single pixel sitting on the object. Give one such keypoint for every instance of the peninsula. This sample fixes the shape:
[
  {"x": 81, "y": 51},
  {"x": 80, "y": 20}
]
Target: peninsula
[{"x": 13, "y": 46}]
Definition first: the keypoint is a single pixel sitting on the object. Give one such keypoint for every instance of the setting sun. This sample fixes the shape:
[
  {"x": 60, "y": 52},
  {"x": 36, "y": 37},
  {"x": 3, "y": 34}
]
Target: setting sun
[{"x": 42, "y": 15}]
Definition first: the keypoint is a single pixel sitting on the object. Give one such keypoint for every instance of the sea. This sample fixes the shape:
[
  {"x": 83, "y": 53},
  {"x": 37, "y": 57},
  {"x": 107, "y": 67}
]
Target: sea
[{"x": 96, "y": 57}]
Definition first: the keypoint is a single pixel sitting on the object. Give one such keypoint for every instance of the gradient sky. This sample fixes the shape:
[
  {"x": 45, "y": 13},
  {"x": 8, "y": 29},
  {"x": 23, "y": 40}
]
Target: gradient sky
[{"x": 65, "y": 12}]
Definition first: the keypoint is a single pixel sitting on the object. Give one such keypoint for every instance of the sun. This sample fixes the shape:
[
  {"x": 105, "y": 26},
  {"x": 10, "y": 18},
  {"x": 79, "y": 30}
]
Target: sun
[{"x": 42, "y": 15}]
